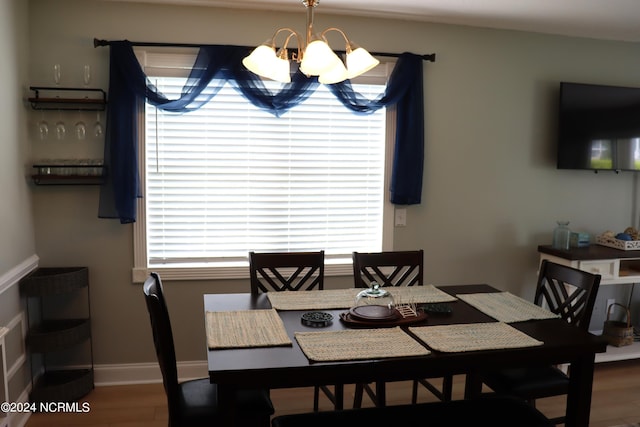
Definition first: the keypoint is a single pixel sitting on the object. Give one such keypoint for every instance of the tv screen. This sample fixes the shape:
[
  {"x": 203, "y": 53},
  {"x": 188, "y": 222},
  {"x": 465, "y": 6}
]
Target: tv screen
[{"x": 598, "y": 127}]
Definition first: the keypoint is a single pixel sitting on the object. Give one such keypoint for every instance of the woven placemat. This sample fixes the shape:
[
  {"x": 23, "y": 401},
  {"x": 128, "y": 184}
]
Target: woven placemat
[
  {"x": 345, "y": 298},
  {"x": 313, "y": 300},
  {"x": 419, "y": 294},
  {"x": 245, "y": 328},
  {"x": 506, "y": 307},
  {"x": 473, "y": 337},
  {"x": 358, "y": 344}
]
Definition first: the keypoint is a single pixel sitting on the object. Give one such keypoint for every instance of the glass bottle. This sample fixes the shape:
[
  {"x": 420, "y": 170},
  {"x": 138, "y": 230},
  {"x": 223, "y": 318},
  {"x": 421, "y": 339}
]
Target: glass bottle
[{"x": 561, "y": 235}]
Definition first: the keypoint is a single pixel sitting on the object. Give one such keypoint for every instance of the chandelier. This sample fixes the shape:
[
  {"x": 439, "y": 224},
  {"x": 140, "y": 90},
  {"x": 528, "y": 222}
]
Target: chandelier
[{"x": 313, "y": 54}]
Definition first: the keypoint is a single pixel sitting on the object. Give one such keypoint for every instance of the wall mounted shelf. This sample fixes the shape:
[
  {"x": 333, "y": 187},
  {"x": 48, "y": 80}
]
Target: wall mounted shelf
[
  {"x": 69, "y": 98},
  {"x": 68, "y": 174}
]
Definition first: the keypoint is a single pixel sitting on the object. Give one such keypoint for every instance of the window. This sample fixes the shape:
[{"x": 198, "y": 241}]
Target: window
[{"x": 230, "y": 178}]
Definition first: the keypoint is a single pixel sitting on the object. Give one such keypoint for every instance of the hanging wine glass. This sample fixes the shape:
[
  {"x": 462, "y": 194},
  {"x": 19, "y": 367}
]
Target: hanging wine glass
[
  {"x": 43, "y": 128},
  {"x": 61, "y": 130},
  {"x": 80, "y": 127},
  {"x": 97, "y": 127},
  {"x": 57, "y": 74},
  {"x": 87, "y": 75},
  {"x": 81, "y": 130}
]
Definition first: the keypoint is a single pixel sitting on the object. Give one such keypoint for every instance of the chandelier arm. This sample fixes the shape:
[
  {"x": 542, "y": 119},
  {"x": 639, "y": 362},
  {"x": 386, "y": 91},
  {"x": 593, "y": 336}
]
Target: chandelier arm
[
  {"x": 323, "y": 34},
  {"x": 348, "y": 44},
  {"x": 292, "y": 33}
]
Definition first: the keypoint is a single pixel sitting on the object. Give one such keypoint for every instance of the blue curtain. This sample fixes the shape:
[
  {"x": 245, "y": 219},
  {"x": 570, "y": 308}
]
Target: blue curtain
[{"x": 129, "y": 88}]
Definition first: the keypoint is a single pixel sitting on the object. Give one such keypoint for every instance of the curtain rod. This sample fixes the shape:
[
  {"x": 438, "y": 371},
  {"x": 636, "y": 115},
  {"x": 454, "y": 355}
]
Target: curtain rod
[{"x": 431, "y": 57}]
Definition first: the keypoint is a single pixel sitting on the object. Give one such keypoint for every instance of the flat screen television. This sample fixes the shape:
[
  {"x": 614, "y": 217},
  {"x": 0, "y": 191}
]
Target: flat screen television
[{"x": 598, "y": 127}]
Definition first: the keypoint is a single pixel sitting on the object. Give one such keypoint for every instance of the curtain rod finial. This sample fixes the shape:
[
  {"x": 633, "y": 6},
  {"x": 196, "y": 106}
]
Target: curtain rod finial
[
  {"x": 98, "y": 42},
  {"x": 430, "y": 57}
]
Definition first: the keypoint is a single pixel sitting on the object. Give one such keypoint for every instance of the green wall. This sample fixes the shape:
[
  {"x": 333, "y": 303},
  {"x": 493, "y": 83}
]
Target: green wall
[{"x": 491, "y": 190}]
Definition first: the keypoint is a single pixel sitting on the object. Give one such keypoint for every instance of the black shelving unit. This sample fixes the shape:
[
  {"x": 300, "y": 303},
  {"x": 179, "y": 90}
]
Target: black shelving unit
[
  {"x": 68, "y": 98},
  {"x": 65, "y": 174},
  {"x": 54, "y": 339}
]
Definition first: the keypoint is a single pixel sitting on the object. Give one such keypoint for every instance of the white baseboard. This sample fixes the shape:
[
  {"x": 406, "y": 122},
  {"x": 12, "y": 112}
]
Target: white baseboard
[{"x": 144, "y": 373}]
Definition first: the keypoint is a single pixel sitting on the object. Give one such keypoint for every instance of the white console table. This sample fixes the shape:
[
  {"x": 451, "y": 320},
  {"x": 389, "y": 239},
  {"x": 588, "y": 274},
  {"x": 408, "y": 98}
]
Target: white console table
[{"x": 617, "y": 267}]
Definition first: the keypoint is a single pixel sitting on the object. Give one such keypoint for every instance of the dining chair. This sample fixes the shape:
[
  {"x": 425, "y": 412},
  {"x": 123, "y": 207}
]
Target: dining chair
[
  {"x": 292, "y": 271},
  {"x": 194, "y": 403},
  {"x": 286, "y": 271},
  {"x": 570, "y": 293},
  {"x": 393, "y": 268}
]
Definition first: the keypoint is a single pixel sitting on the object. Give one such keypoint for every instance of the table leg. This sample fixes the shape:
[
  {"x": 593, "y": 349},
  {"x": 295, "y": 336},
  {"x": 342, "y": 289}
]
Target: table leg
[
  {"x": 227, "y": 405},
  {"x": 381, "y": 393},
  {"x": 339, "y": 396},
  {"x": 472, "y": 385},
  {"x": 579, "y": 396}
]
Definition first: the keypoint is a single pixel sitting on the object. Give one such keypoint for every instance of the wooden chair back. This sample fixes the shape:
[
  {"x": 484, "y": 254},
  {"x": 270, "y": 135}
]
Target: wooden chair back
[
  {"x": 567, "y": 291},
  {"x": 286, "y": 271},
  {"x": 163, "y": 340},
  {"x": 392, "y": 268}
]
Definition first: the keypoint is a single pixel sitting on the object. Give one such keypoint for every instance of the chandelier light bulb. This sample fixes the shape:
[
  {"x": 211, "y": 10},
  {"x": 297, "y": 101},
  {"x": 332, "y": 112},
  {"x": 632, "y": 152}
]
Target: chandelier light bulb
[
  {"x": 336, "y": 74},
  {"x": 261, "y": 60},
  {"x": 317, "y": 58},
  {"x": 281, "y": 71},
  {"x": 359, "y": 61}
]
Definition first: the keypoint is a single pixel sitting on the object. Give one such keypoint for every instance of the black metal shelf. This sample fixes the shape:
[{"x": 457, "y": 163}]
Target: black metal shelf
[
  {"x": 67, "y": 180},
  {"x": 68, "y": 174},
  {"x": 68, "y": 98}
]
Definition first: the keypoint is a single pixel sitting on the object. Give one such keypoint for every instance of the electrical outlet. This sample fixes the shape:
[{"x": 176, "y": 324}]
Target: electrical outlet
[
  {"x": 401, "y": 217},
  {"x": 610, "y": 302}
]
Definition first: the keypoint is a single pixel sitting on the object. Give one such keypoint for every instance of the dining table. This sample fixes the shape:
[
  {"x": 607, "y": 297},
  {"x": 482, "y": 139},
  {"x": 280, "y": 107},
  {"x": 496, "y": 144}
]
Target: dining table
[{"x": 262, "y": 341}]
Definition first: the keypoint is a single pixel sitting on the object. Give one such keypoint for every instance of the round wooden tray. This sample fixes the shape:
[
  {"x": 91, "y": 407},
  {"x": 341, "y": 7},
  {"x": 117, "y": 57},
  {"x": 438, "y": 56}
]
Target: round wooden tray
[
  {"x": 351, "y": 321},
  {"x": 374, "y": 313}
]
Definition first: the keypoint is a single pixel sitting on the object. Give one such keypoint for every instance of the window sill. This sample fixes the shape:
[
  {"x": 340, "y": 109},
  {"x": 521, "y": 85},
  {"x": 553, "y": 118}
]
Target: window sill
[{"x": 184, "y": 273}]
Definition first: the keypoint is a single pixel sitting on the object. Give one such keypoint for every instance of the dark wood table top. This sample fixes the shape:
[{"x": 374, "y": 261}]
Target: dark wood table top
[
  {"x": 284, "y": 367},
  {"x": 591, "y": 252}
]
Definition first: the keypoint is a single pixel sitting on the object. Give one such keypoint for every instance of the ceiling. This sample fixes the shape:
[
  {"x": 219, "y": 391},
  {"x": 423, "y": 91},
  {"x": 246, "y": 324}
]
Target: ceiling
[{"x": 602, "y": 19}]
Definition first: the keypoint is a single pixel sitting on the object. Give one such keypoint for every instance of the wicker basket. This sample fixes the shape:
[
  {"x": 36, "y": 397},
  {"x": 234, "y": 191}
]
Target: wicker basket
[
  {"x": 58, "y": 334},
  {"x": 63, "y": 386},
  {"x": 618, "y": 333},
  {"x": 54, "y": 280}
]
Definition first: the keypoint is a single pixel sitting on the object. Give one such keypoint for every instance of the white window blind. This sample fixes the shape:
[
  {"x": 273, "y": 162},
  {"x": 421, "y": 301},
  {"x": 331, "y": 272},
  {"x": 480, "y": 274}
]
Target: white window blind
[{"x": 230, "y": 178}]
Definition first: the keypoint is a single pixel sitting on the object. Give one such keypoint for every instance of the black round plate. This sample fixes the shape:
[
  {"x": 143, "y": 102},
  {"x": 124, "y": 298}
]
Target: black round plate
[{"x": 316, "y": 319}]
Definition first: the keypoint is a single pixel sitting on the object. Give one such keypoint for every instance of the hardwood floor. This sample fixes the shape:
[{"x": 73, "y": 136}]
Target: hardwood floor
[{"x": 616, "y": 400}]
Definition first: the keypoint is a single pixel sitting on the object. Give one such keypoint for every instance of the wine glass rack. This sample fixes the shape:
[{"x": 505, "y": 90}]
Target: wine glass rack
[
  {"x": 68, "y": 98},
  {"x": 68, "y": 174}
]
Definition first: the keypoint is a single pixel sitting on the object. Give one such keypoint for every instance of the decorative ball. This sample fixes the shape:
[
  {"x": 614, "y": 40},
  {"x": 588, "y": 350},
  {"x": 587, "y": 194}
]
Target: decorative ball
[
  {"x": 623, "y": 236},
  {"x": 632, "y": 231}
]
